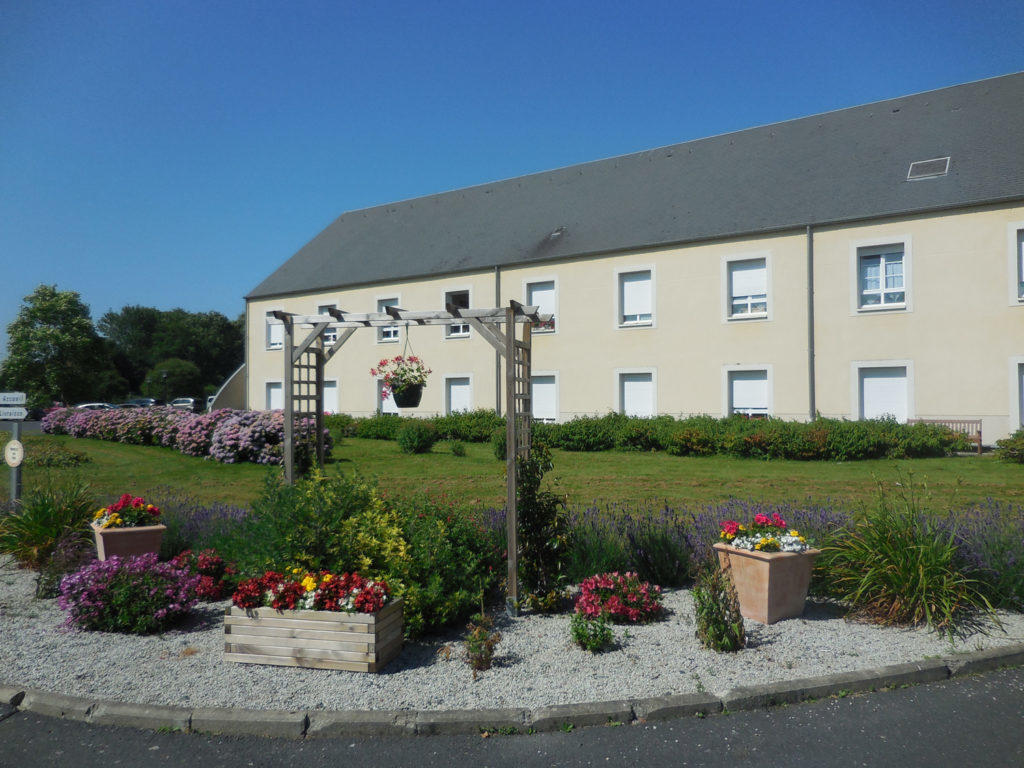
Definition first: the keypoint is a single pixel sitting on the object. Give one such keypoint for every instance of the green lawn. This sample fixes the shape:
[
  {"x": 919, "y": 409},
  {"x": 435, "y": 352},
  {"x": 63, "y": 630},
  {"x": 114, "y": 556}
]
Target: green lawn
[{"x": 477, "y": 479}]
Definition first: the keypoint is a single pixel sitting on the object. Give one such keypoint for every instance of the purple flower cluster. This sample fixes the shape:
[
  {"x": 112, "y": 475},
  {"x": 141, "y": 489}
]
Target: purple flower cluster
[
  {"x": 258, "y": 436},
  {"x": 225, "y": 435},
  {"x": 196, "y": 435},
  {"x": 136, "y": 595}
]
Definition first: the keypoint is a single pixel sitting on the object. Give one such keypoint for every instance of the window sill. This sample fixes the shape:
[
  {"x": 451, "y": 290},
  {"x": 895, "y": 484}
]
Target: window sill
[
  {"x": 387, "y": 341},
  {"x": 642, "y": 324},
  {"x": 883, "y": 308},
  {"x": 749, "y": 316},
  {"x": 457, "y": 336},
  {"x": 275, "y": 347}
]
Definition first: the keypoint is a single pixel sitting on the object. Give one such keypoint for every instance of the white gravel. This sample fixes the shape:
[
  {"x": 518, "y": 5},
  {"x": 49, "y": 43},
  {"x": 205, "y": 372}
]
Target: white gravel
[{"x": 536, "y": 663}]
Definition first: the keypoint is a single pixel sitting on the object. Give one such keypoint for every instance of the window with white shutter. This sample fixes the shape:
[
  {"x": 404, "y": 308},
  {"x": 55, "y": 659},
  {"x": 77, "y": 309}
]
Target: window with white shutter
[
  {"x": 387, "y": 334},
  {"x": 748, "y": 392},
  {"x": 275, "y": 396},
  {"x": 883, "y": 392},
  {"x": 542, "y": 295},
  {"x": 275, "y": 332},
  {"x": 748, "y": 288},
  {"x": 385, "y": 404},
  {"x": 330, "y": 397},
  {"x": 544, "y": 396},
  {"x": 635, "y": 298},
  {"x": 330, "y": 333},
  {"x": 458, "y": 394},
  {"x": 636, "y": 394}
]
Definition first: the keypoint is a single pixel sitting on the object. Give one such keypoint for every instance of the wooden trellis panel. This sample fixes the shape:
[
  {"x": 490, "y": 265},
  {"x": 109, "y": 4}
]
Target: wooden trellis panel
[{"x": 304, "y": 384}]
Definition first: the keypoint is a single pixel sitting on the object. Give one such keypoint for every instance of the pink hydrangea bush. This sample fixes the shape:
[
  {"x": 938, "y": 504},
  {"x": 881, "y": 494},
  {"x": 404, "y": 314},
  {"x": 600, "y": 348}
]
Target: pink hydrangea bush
[{"x": 622, "y": 597}]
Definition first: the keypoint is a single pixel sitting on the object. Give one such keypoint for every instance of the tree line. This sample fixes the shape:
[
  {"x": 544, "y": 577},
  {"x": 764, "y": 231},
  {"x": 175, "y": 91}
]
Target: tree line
[{"x": 55, "y": 353}]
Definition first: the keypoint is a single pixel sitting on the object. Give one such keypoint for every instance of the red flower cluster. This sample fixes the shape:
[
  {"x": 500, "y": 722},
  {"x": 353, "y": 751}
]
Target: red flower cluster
[
  {"x": 623, "y": 597},
  {"x": 774, "y": 522},
  {"x": 351, "y": 588},
  {"x": 346, "y": 592},
  {"x": 216, "y": 578}
]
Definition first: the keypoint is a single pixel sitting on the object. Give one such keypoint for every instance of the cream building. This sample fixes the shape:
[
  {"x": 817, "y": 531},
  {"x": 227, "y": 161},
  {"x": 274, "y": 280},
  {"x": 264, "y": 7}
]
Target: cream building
[{"x": 856, "y": 263}]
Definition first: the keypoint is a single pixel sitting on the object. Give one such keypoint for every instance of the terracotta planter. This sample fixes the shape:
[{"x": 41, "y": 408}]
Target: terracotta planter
[
  {"x": 771, "y": 585},
  {"x": 125, "y": 542},
  {"x": 408, "y": 397},
  {"x": 358, "y": 642}
]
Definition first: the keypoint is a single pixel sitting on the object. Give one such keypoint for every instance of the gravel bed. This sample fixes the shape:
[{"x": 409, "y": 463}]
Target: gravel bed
[{"x": 536, "y": 663}]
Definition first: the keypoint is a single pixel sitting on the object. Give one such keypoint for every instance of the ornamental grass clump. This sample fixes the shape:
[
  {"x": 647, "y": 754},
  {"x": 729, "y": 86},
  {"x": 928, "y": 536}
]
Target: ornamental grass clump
[
  {"x": 898, "y": 565},
  {"x": 622, "y": 597},
  {"x": 30, "y": 530},
  {"x": 716, "y": 608},
  {"x": 133, "y": 595}
]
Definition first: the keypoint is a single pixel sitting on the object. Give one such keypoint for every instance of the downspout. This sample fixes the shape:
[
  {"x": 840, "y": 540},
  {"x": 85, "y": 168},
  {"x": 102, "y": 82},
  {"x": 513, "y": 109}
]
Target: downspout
[
  {"x": 245, "y": 354},
  {"x": 497, "y": 355},
  {"x": 812, "y": 408}
]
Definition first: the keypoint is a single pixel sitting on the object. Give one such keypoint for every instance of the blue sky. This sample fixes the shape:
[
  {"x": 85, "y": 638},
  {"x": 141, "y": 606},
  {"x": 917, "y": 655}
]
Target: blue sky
[{"x": 173, "y": 154}]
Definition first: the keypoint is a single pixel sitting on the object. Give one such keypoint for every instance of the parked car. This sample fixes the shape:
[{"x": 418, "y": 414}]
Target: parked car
[
  {"x": 144, "y": 402},
  {"x": 186, "y": 404},
  {"x": 94, "y": 406},
  {"x": 209, "y": 401}
]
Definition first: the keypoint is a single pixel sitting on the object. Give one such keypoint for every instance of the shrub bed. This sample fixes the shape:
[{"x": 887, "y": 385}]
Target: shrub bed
[
  {"x": 224, "y": 435},
  {"x": 818, "y": 440}
]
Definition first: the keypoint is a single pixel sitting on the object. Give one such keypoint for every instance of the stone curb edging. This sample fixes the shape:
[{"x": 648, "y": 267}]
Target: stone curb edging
[{"x": 319, "y": 723}]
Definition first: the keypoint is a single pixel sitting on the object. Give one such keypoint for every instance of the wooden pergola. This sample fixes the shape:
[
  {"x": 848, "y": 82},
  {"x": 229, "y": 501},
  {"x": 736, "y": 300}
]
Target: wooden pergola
[{"x": 305, "y": 359}]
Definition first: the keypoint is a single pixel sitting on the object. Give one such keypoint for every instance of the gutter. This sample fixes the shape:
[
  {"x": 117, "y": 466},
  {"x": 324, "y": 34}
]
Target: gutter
[{"x": 811, "y": 394}]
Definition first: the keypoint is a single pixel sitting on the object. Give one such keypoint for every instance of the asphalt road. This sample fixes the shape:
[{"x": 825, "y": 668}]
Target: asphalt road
[{"x": 970, "y": 721}]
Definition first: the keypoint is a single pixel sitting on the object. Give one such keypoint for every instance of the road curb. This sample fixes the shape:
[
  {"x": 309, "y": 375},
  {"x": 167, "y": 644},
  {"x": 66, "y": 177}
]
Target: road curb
[{"x": 348, "y": 723}]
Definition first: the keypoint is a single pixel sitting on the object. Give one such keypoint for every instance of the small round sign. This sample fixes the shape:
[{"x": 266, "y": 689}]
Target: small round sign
[{"x": 14, "y": 452}]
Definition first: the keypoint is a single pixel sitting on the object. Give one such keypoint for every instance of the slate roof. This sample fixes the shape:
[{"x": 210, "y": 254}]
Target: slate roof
[{"x": 840, "y": 166}]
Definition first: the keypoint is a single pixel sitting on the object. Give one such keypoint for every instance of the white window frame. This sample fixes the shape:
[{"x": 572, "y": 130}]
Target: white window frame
[
  {"x": 266, "y": 392},
  {"x": 388, "y": 334},
  {"x": 266, "y": 329},
  {"x": 337, "y": 396},
  {"x": 378, "y": 401},
  {"x": 1016, "y": 417},
  {"x": 330, "y": 334},
  {"x": 558, "y": 403},
  {"x": 856, "y": 247},
  {"x": 1015, "y": 262},
  {"x": 769, "y": 370},
  {"x": 618, "y": 373},
  {"x": 617, "y": 303},
  {"x": 447, "y": 395},
  {"x": 457, "y": 330},
  {"x": 727, "y": 261},
  {"x": 855, "y": 367},
  {"x": 526, "y": 298}
]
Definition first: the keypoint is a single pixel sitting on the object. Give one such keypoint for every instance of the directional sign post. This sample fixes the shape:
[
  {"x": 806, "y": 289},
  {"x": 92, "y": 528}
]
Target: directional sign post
[{"x": 10, "y": 410}]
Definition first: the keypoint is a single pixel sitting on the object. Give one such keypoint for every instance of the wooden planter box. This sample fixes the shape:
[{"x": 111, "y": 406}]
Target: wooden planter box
[
  {"x": 771, "y": 586},
  {"x": 125, "y": 542},
  {"x": 358, "y": 642}
]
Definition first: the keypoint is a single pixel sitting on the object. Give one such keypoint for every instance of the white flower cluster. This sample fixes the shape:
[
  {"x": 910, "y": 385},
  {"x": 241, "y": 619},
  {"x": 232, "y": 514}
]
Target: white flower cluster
[{"x": 787, "y": 543}]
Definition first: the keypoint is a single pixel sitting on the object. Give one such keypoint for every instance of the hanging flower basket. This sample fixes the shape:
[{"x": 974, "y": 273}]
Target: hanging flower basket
[
  {"x": 409, "y": 397},
  {"x": 404, "y": 377}
]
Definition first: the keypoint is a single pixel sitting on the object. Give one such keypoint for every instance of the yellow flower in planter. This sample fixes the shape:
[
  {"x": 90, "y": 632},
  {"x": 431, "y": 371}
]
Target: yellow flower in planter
[{"x": 309, "y": 583}]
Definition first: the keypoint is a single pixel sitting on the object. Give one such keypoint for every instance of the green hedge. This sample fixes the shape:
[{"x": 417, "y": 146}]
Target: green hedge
[{"x": 821, "y": 439}]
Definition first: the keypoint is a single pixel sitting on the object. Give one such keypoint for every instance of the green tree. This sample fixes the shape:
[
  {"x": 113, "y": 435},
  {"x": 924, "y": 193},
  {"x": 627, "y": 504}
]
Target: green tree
[
  {"x": 173, "y": 378},
  {"x": 55, "y": 354},
  {"x": 131, "y": 332},
  {"x": 143, "y": 336}
]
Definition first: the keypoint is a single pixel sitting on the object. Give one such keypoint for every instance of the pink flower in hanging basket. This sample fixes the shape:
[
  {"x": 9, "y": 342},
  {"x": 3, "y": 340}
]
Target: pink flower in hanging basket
[{"x": 400, "y": 373}]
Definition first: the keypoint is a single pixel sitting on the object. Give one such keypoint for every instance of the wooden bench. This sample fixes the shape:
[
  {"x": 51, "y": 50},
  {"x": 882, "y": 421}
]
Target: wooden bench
[{"x": 969, "y": 427}]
